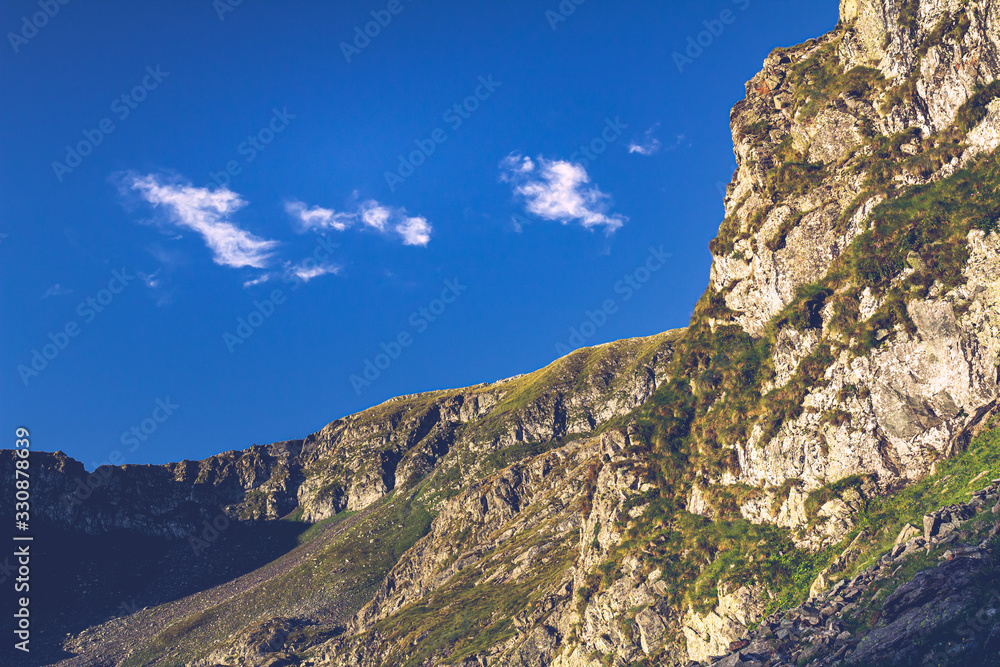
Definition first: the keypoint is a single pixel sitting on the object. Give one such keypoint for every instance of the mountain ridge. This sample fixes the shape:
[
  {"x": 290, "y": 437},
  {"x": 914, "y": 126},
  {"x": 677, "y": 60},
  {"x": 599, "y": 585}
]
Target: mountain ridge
[{"x": 664, "y": 500}]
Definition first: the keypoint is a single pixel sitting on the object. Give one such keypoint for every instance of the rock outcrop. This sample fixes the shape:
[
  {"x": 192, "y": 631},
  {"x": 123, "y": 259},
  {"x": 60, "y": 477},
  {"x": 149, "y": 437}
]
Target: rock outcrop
[
  {"x": 942, "y": 615},
  {"x": 672, "y": 499}
]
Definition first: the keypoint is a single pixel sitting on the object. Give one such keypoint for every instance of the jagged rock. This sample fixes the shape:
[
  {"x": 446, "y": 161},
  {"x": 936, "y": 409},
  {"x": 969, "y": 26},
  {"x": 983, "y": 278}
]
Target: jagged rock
[
  {"x": 712, "y": 633},
  {"x": 911, "y": 614},
  {"x": 536, "y": 649},
  {"x": 652, "y": 631},
  {"x": 906, "y": 533},
  {"x": 886, "y": 409},
  {"x": 945, "y": 520}
]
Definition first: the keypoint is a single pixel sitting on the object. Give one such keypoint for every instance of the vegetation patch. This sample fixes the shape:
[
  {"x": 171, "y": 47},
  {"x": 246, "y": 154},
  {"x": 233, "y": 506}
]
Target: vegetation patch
[{"x": 466, "y": 616}]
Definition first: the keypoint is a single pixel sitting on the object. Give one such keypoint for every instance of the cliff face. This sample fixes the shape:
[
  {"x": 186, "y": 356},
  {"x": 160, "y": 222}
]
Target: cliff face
[
  {"x": 857, "y": 267},
  {"x": 834, "y": 139},
  {"x": 651, "y": 501},
  {"x": 356, "y": 461}
]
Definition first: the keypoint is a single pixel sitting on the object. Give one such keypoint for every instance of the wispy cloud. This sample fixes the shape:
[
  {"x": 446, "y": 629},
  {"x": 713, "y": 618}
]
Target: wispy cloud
[
  {"x": 56, "y": 290},
  {"x": 559, "y": 190},
  {"x": 158, "y": 286},
  {"x": 382, "y": 218},
  {"x": 318, "y": 217},
  {"x": 263, "y": 278},
  {"x": 308, "y": 269},
  {"x": 207, "y": 212},
  {"x": 305, "y": 271},
  {"x": 150, "y": 280},
  {"x": 648, "y": 145}
]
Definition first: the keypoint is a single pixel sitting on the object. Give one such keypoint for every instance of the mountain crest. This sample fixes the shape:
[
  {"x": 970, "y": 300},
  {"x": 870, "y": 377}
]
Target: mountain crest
[{"x": 764, "y": 485}]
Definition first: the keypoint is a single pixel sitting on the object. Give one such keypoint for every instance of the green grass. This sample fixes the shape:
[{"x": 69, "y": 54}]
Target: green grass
[
  {"x": 951, "y": 483},
  {"x": 821, "y": 78},
  {"x": 317, "y": 528},
  {"x": 346, "y": 569},
  {"x": 974, "y": 110},
  {"x": 465, "y": 616},
  {"x": 816, "y": 499}
]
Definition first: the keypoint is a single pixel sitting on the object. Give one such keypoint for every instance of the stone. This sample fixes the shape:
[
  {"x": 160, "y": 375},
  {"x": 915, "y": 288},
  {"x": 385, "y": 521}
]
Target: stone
[
  {"x": 932, "y": 523},
  {"x": 907, "y": 532},
  {"x": 739, "y": 644},
  {"x": 536, "y": 648},
  {"x": 911, "y": 614},
  {"x": 652, "y": 630}
]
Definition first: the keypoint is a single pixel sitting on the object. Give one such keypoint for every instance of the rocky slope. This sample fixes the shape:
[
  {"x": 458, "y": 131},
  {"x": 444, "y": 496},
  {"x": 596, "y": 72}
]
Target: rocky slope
[
  {"x": 355, "y": 461},
  {"x": 733, "y": 488},
  {"x": 394, "y": 466},
  {"x": 846, "y": 346}
]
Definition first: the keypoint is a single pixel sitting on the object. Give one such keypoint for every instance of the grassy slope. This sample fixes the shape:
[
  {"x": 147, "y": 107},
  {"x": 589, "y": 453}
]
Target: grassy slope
[
  {"x": 344, "y": 571},
  {"x": 331, "y": 582}
]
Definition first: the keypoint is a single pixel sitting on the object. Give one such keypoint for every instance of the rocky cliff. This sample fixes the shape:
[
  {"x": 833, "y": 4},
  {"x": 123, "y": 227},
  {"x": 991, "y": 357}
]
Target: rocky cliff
[
  {"x": 355, "y": 461},
  {"x": 744, "y": 489}
]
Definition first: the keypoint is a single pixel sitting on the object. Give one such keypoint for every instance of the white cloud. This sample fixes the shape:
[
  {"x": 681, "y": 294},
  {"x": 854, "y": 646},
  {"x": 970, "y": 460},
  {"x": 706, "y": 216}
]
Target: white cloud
[
  {"x": 559, "y": 190},
  {"x": 207, "y": 212},
  {"x": 263, "y": 278},
  {"x": 514, "y": 164},
  {"x": 56, "y": 290},
  {"x": 648, "y": 145},
  {"x": 305, "y": 271},
  {"x": 308, "y": 269},
  {"x": 375, "y": 215},
  {"x": 318, "y": 217},
  {"x": 415, "y": 231}
]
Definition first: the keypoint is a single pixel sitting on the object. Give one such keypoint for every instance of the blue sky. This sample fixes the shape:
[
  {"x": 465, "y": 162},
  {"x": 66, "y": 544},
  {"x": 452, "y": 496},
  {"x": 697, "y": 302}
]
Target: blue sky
[{"x": 229, "y": 224}]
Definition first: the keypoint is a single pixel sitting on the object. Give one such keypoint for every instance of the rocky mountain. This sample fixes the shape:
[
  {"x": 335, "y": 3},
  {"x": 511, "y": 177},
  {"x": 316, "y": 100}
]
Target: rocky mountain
[{"x": 776, "y": 484}]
